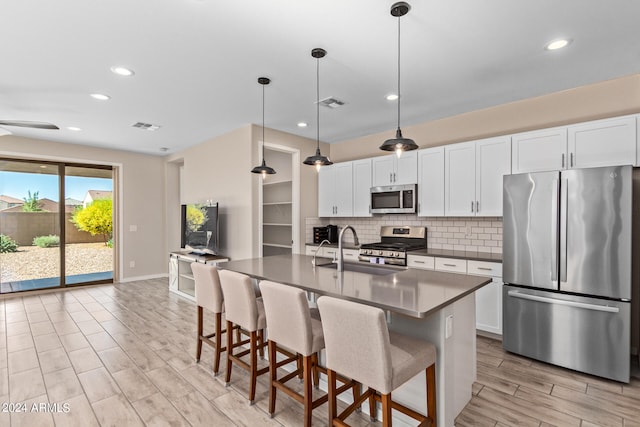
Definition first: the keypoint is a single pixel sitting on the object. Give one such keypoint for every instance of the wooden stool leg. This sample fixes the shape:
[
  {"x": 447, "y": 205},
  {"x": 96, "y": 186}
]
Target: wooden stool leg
[
  {"x": 373, "y": 408},
  {"x": 331, "y": 403},
  {"x": 218, "y": 349},
  {"x": 229, "y": 352},
  {"x": 356, "y": 390},
  {"x": 431, "y": 394},
  {"x": 273, "y": 374},
  {"x": 307, "y": 367},
  {"x": 386, "y": 410},
  {"x": 253, "y": 342},
  {"x": 199, "y": 344},
  {"x": 316, "y": 372},
  {"x": 299, "y": 367},
  {"x": 261, "y": 343}
]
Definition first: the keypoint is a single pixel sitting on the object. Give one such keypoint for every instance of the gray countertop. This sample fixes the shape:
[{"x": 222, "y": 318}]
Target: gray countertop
[
  {"x": 408, "y": 291},
  {"x": 441, "y": 253}
]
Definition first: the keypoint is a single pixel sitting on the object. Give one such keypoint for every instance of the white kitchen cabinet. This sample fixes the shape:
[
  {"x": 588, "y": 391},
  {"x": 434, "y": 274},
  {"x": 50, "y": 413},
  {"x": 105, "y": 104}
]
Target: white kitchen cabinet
[
  {"x": 493, "y": 161},
  {"x": 489, "y": 297},
  {"x": 181, "y": 279},
  {"x": 391, "y": 170},
  {"x": 335, "y": 190},
  {"x": 473, "y": 176},
  {"x": 431, "y": 182},
  {"x": 452, "y": 265},
  {"x": 540, "y": 150},
  {"x": 460, "y": 179},
  {"x": 608, "y": 142},
  {"x": 362, "y": 187},
  {"x": 350, "y": 255},
  {"x": 422, "y": 262}
]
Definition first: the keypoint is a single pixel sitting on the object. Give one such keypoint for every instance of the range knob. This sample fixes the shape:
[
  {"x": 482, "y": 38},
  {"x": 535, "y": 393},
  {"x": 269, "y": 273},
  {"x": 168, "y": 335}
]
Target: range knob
[{"x": 380, "y": 253}]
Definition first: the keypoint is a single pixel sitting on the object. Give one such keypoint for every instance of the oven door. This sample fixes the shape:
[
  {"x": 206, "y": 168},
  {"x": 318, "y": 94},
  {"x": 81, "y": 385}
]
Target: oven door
[{"x": 393, "y": 199}]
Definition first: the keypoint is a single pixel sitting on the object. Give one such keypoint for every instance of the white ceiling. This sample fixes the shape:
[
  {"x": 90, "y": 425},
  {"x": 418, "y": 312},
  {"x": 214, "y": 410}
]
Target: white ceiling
[{"x": 197, "y": 61}]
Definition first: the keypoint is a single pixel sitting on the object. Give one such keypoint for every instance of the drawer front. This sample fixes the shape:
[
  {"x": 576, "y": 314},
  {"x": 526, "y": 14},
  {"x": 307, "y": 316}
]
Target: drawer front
[
  {"x": 484, "y": 268},
  {"x": 424, "y": 262},
  {"x": 329, "y": 252},
  {"x": 451, "y": 264},
  {"x": 350, "y": 254},
  {"x": 311, "y": 250}
]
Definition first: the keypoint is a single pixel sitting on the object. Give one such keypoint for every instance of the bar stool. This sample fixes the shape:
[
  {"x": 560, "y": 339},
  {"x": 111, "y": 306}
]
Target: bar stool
[
  {"x": 359, "y": 345},
  {"x": 243, "y": 310},
  {"x": 209, "y": 296},
  {"x": 292, "y": 326}
]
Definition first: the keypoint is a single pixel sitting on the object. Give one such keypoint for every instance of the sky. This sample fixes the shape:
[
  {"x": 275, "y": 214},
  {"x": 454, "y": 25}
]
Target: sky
[{"x": 17, "y": 184}]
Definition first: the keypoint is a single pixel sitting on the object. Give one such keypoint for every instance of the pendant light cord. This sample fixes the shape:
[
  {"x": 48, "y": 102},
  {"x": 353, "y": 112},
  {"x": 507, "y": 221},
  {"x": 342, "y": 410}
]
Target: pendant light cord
[
  {"x": 398, "y": 72},
  {"x": 318, "y": 103},
  {"x": 263, "y": 159}
]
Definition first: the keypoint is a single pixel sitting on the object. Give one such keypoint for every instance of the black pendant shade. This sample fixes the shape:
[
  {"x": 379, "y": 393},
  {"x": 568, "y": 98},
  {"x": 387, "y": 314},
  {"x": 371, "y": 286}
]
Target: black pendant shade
[
  {"x": 318, "y": 159},
  {"x": 263, "y": 169},
  {"x": 399, "y": 144}
]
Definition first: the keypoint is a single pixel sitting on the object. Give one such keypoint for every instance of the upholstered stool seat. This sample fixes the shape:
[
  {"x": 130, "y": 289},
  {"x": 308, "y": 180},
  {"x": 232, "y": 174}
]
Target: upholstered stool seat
[
  {"x": 209, "y": 296},
  {"x": 244, "y": 310},
  {"x": 294, "y": 326},
  {"x": 360, "y": 346}
]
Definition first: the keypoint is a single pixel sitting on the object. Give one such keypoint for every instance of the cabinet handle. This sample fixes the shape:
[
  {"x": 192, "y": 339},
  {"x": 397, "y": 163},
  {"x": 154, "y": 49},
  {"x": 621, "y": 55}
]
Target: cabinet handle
[
  {"x": 477, "y": 206},
  {"x": 390, "y": 177},
  {"x": 472, "y": 206},
  {"x": 562, "y": 160},
  {"x": 394, "y": 177},
  {"x": 419, "y": 262},
  {"x": 450, "y": 265},
  {"x": 485, "y": 268},
  {"x": 369, "y": 208},
  {"x": 571, "y": 160}
]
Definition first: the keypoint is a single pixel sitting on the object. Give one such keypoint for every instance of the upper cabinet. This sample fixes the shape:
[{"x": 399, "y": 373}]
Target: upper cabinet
[
  {"x": 540, "y": 150},
  {"x": 362, "y": 187},
  {"x": 473, "y": 176},
  {"x": 431, "y": 182},
  {"x": 608, "y": 142},
  {"x": 335, "y": 190},
  {"x": 391, "y": 170}
]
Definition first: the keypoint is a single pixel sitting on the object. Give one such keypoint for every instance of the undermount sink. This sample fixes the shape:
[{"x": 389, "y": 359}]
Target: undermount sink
[{"x": 363, "y": 268}]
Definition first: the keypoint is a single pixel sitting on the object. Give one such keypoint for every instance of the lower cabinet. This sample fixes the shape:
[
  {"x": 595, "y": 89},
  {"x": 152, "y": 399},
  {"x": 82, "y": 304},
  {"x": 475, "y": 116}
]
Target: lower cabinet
[
  {"x": 332, "y": 252},
  {"x": 181, "y": 279},
  {"x": 488, "y": 298}
]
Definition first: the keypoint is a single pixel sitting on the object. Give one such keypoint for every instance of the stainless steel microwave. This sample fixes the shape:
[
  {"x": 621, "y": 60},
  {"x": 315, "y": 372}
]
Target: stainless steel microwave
[{"x": 393, "y": 199}]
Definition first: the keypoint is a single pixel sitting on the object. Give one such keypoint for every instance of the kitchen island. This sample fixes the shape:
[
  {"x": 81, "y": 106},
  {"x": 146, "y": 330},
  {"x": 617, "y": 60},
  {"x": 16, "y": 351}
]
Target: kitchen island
[{"x": 435, "y": 306}]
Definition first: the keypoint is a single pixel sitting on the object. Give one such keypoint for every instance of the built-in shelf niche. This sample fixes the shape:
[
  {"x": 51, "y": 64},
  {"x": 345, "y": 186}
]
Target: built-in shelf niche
[{"x": 277, "y": 204}]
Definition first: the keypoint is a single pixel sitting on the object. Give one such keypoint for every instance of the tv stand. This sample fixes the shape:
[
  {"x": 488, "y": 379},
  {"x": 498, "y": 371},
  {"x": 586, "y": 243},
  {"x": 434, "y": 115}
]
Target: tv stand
[{"x": 181, "y": 279}]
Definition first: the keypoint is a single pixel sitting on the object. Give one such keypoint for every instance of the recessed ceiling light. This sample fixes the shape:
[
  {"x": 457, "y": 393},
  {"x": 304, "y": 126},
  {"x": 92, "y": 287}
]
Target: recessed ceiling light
[
  {"x": 122, "y": 71},
  {"x": 100, "y": 96},
  {"x": 557, "y": 44},
  {"x": 392, "y": 97},
  {"x": 74, "y": 128},
  {"x": 302, "y": 125}
]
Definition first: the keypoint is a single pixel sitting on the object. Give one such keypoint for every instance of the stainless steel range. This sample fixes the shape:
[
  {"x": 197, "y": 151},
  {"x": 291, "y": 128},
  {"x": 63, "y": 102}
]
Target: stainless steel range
[{"x": 394, "y": 244}]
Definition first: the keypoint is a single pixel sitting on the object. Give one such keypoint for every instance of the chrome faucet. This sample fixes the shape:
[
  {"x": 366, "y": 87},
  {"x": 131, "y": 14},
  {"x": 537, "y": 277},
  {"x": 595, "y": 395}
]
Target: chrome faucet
[
  {"x": 313, "y": 261},
  {"x": 340, "y": 260}
]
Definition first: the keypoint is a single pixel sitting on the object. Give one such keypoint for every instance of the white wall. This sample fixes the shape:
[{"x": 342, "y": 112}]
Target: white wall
[{"x": 142, "y": 198}]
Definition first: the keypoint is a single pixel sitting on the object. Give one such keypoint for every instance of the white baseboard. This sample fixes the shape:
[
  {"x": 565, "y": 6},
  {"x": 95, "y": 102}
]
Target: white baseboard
[{"x": 148, "y": 277}]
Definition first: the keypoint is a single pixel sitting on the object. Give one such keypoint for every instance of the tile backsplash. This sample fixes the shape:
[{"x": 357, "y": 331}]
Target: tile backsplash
[{"x": 456, "y": 233}]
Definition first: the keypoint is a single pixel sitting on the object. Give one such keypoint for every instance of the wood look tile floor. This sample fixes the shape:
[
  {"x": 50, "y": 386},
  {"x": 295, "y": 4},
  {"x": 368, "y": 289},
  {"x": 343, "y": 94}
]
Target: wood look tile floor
[{"x": 122, "y": 355}]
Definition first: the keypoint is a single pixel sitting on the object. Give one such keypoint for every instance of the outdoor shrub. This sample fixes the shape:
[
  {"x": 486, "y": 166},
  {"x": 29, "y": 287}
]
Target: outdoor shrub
[
  {"x": 110, "y": 243},
  {"x": 96, "y": 218},
  {"x": 7, "y": 244},
  {"x": 46, "y": 241}
]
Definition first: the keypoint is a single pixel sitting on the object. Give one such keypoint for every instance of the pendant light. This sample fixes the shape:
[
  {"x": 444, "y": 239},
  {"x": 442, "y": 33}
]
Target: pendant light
[
  {"x": 399, "y": 144},
  {"x": 318, "y": 159},
  {"x": 263, "y": 169}
]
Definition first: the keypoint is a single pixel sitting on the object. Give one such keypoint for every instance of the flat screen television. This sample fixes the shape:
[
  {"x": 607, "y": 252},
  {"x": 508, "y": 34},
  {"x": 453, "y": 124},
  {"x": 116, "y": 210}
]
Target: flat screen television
[{"x": 199, "y": 228}]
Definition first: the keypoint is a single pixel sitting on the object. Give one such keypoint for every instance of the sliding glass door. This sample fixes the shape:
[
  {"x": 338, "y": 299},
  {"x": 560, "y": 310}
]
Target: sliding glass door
[{"x": 52, "y": 233}]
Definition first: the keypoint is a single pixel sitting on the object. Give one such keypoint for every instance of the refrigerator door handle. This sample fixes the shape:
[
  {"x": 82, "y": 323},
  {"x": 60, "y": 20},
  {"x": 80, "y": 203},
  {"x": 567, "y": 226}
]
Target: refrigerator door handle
[
  {"x": 576, "y": 304},
  {"x": 564, "y": 183},
  {"x": 554, "y": 232}
]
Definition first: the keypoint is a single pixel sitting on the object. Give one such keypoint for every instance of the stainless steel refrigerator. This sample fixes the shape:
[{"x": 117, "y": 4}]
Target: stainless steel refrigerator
[{"x": 567, "y": 268}]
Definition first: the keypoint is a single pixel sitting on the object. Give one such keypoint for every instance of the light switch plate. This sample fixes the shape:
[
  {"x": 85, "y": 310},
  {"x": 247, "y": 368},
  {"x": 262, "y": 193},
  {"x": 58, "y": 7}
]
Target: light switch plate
[{"x": 448, "y": 329}]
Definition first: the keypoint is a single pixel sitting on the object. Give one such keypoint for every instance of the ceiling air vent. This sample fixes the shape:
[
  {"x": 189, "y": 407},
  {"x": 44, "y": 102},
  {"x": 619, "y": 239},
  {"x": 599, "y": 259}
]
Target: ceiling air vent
[
  {"x": 145, "y": 126},
  {"x": 331, "y": 102}
]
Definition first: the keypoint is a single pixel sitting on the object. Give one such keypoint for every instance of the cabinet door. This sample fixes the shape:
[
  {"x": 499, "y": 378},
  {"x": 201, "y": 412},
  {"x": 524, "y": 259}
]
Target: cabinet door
[
  {"x": 493, "y": 161},
  {"x": 406, "y": 168},
  {"x": 489, "y": 307},
  {"x": 460, "y": 179},
  {"x": 431, "y": 182},
  {"x": 362, "y": 187},
  {"x": 383, "y": 168},
  {"x": 543, "y": 150},
  {"x": 173, "y": 272},
  {"x": 326, "y": 196},
  {"x": 610, "y": 142},
  {"x": 343, "y": 188}
]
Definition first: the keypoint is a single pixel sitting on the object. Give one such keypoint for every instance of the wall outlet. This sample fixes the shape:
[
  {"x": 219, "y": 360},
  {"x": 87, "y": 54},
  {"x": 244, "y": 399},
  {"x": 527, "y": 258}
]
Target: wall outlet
[
  {"x": 448, "y": 327},
  {"x": 132, "y": 264}
]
